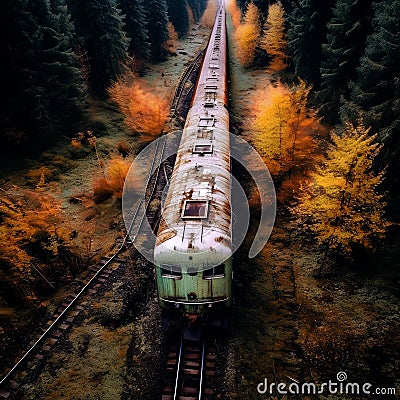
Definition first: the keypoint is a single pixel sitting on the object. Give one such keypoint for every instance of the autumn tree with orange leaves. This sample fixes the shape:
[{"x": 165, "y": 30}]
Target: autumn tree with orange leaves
[
  {"x": 341, "y": 205},
  {"x": 31, "y": 233},
  {"x": 274, "y": 40},
  {"x": 171, "y": 44},
  {"x": 247, "y": 35},
  {"x": 145, "y": 109},
  {"x": 210, "y": 12},
  {"x": 112, "y": 184},
  {"x": 282, "y": 125},
  {"x": 234, "y": 12}
]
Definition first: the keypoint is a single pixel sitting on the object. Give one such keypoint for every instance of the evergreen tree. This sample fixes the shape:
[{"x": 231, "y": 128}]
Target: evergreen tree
[
  {"x": 195, "y": 7},
  {"x": 307, "y": 29},
  {"x": 99, "y": 24},
  {"x": 198, "y": 7},
  {"x": 342, "y": 206},
  {"x": 45, "y": 90},
  {"x": 340, "y": 54},
  {"x": 375, "y": 94},
  {"x": 243, "y": 4},
  {"x": 179, "y": 16},
  {"x": 135, "y": 27},
  {"x": 157, "y": 27},
  {"x": 202, "y": 6},
  {"x": 8, "y": 73}
]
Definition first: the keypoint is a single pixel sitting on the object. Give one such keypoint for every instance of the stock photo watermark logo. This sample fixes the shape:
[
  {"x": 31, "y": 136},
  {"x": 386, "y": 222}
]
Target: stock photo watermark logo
[
  {"x": 136, "y": 193},
  {"x": 340, "y": 386}
]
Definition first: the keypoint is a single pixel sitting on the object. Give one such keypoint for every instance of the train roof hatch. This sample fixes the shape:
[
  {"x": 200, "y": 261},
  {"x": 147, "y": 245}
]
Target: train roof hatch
[
  {"x": 195, "y": 209},
  {"x": 203, "y": 148}
]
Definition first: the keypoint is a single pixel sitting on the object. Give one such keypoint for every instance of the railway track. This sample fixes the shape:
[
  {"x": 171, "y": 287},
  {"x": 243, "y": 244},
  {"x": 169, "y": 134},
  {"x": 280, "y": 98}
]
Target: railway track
[
  {"x": 28, "y": 366},
  {"x": 192, "y": 361},
  {"x": 190, "y": 368},
  {"x": 32, "y": 359},
  {"x": 183, "y": 93}
]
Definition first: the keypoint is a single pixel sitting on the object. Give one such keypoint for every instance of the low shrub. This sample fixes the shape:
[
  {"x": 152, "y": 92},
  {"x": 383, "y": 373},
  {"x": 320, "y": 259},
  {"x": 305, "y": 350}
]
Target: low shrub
[{"x": 102, "y": 190}]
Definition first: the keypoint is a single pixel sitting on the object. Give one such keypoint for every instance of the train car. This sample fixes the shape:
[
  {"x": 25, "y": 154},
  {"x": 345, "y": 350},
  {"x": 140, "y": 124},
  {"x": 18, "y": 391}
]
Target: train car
[{"x": 194, "y": 241}]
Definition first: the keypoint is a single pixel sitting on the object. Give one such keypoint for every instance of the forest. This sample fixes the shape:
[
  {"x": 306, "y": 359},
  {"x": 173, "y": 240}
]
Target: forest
[
  {"x": 58, "y": 52},
  {"x": 335, "y": 70},
  {"x": 324, "y": 114},
  {"x": 334, "y": 65}
]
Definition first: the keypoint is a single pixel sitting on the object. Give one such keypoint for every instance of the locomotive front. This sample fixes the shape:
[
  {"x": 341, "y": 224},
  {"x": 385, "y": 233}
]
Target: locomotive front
[{"x": 194, "y": 241}]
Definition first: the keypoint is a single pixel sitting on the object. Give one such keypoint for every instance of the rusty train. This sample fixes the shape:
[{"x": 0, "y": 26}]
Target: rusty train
[{"x": 193, "y": 249}]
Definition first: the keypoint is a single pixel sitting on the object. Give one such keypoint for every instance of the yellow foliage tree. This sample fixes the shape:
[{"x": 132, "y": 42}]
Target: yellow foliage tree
[
  {"x": 145, "y": 109},
  {"x": 341, "y": 205},
  {"x": 234, "y": 12},
  {"x": 282, "y": 125},
  {"x": 30, "y": 223},
  {"x": 247, "y": 35},
  {"x": 116, "y": 174},
  {"x": 209, "y": 14},
  {"x": 274, "y": 40},
  {"x": 39, "y": 176},
  {"x": 113, "y": 182}
]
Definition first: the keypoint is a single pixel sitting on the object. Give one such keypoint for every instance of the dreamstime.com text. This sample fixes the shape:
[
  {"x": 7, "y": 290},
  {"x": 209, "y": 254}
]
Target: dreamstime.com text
[{"x": 340, "y": 386}]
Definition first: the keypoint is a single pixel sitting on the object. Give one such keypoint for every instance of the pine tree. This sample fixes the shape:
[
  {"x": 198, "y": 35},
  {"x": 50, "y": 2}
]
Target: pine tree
[
  {"x": 157, "y": 27},
  {"x": 341, "y": 52},
  {"x": 178, "y": 15},
  {"x": 195, "y": 7},
  {"x": 99, "y": 24},
  {"x": 342, "y": 205},
  {"x": 203, "y": 6},
  {"x": 274, "y": 40},
  {"x": 307, "y": 30},
  {"x": 135, "y": 27},
  {"x": 46, "y": 89},
  {"x": 247, "y": 35},
  {"x": 9, "y": 100},
  {"x": 198, "y": 7},
  {"x": 243, "y": 4},
  {"x": 375, "y": 94}
]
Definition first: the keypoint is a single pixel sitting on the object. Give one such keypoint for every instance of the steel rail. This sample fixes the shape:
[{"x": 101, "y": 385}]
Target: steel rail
[
  {"x": 88, "y": 284},
  {"x": 203, "y": 354},
  {"x": 180, "y": 88},
  {"x": 153, "y": 188},
  {"x": 178, "y": 368}
]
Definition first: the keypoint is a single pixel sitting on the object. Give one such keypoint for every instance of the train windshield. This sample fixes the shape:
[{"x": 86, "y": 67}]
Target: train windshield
[
  {"x": 215, "y": 272},
  {"x": 171, "y": 271}
]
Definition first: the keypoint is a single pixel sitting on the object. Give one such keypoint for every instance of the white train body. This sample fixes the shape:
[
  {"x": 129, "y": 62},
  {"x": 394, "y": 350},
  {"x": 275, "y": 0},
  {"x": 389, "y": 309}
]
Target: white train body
[{"x": 194, "y": 240}]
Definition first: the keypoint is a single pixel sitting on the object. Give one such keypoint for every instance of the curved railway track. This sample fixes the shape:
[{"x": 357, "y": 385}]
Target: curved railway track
[
  {"x": 33, "y": 357},
  {"x": 98, "y": 274},
  {"x": 183, "y": 93}
]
